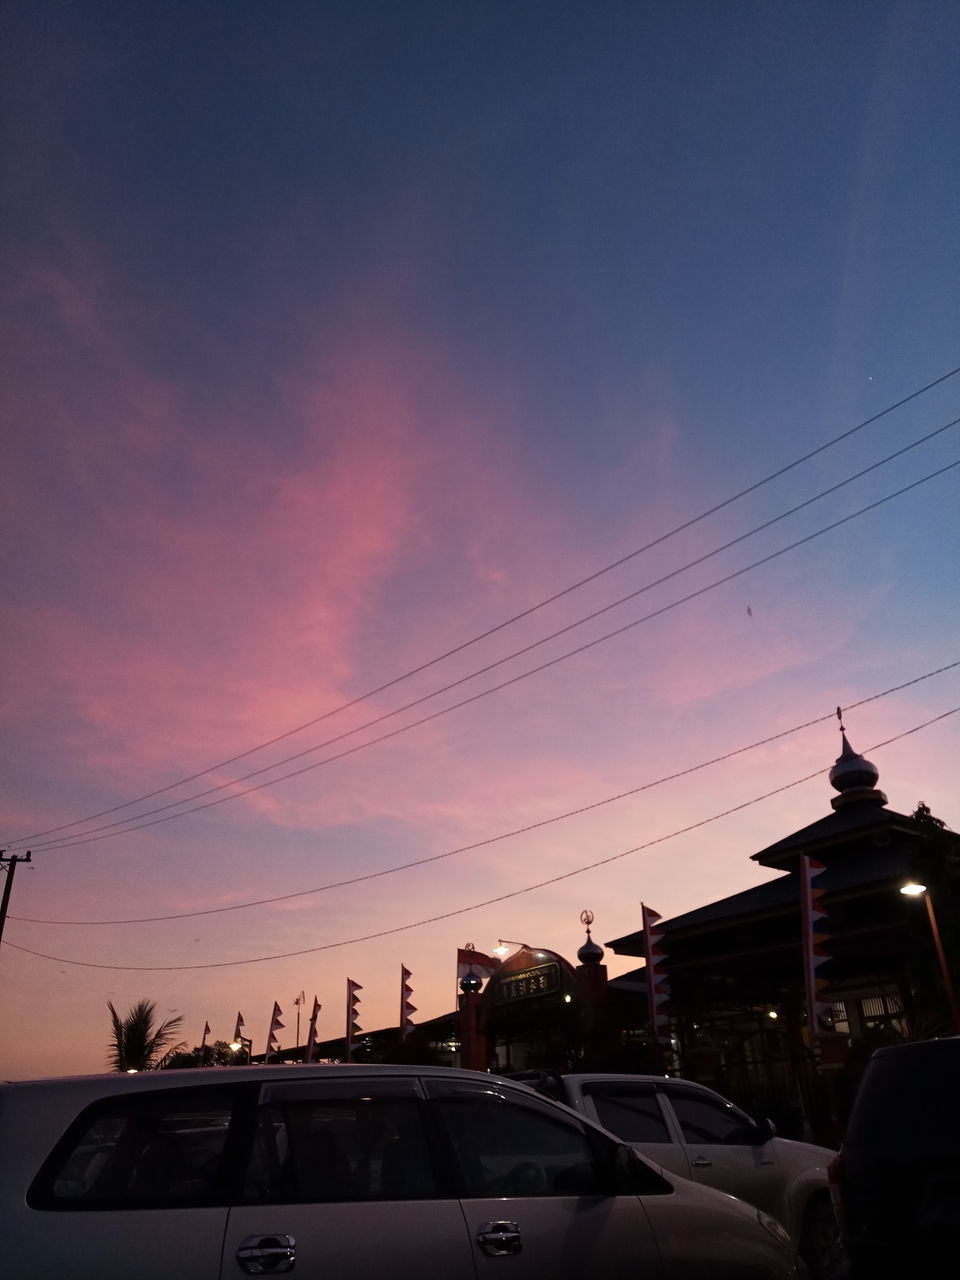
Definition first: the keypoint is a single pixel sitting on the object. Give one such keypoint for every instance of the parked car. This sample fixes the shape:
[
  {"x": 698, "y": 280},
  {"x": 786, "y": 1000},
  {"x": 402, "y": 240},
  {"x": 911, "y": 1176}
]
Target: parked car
[
  {"x": 897, "y": 1178},
  {"x": 343, "y": 1171},
  {"x": 689, "y": 1130}
]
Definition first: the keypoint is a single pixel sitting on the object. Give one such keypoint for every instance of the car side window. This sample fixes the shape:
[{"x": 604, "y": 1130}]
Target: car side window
[
  {"x": 631, "y": 1112},
  {"x": 165, "y": 1148},
  {"x": 505, "y": 1146},
  {"x": 711, "y": 1121},
  {"x": 337, "y": 1141}
]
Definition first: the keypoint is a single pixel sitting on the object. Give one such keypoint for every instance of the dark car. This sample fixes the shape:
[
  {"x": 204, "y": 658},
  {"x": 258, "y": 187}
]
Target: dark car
[{"x": 896, "y": 1181}]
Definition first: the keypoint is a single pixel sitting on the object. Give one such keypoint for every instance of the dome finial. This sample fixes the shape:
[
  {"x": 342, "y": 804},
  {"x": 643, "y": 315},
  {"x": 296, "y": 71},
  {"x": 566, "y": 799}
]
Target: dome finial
[{"x": 589, "y": 953}]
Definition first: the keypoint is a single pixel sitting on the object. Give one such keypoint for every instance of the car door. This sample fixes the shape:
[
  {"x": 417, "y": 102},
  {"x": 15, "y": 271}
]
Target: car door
[
  {"x": 633, "y": 1112},
  {"x": 340, "y": 1181},
  {"x": 536, "y": 1188},
  {"x": 138, "y": 1186},
  {"x": 722, "y": 1147}
]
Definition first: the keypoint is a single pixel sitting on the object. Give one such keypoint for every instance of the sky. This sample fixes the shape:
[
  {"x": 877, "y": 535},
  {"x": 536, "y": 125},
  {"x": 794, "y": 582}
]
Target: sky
[{"x": 342, "y": 341}]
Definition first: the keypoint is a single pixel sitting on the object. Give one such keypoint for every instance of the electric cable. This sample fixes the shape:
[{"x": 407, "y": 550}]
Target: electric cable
[
  {"x": 126, "y": 826},
  {"x": 476, "y": 906},
  {"x": 505, "y": 835},
  {"x": 687, "y": 524}
]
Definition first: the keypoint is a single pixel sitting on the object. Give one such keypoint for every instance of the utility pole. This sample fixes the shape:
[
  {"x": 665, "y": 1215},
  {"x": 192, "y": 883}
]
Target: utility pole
[
  {"x": 298, "y": 1001},
  {"x": 12, "y": 859}
]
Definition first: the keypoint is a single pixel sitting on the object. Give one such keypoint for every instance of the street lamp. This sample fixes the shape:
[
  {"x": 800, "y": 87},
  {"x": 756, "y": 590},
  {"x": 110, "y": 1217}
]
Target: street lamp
[
  {"x": 240, "y": 1043},
  {"x": 913, "y": 889},
  {"x": 504, "y": 946}
]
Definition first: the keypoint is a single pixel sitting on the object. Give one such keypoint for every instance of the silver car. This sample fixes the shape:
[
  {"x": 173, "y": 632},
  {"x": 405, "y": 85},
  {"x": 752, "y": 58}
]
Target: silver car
[
  {"x": 347, "y": 1171},
  {"x": 689, "y": 1130}
]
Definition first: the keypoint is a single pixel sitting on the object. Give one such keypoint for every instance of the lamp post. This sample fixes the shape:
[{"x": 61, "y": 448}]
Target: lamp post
[{"x": 912, "y": 889}]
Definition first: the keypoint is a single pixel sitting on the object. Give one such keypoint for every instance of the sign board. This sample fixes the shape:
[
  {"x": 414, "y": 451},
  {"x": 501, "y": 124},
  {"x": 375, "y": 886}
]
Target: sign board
[{"x": 542, "y": 980}]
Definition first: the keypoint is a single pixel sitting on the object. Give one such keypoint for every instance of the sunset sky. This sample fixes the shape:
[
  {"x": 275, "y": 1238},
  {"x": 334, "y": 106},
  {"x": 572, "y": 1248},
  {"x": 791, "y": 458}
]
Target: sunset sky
[{"x": 337, "y": 335}]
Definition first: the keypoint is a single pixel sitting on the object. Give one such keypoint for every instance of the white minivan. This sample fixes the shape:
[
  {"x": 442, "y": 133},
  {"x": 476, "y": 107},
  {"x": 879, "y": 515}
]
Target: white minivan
[{"x": 355, "y": 1172}]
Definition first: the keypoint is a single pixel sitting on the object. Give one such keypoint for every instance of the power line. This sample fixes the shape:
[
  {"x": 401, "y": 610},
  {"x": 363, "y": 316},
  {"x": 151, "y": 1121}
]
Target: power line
[
  {"x": 506, "y": 835},
  {"x": 476, "y": 906},
  {"x": 124, "y": 826},
  {"x": 517, "y": 617}
]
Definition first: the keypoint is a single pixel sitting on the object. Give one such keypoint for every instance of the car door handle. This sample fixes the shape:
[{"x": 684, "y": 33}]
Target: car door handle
[
  {"x": 497, "y": 1239},
  {"x": 267, "y": 1255},
  {"x": 701, "y": 1162}
]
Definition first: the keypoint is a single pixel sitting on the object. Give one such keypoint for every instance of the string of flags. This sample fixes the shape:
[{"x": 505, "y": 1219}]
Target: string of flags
[
  {"x": 353, "y": 1024},
  {"x": 406, "y": 1008},
  {"x": 273, "y": 1044},
  {"x": 312, "y": 1032},
  {"x": 815, "y": 952},
  {"x": 469, "y": 960},
  {"x": 658, "y": 987}
]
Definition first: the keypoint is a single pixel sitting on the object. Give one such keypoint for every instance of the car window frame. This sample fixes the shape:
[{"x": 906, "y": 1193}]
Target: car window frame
[
  {"x": 605, "y": 1149},
  {"x": 700, "y": 1094},
  {"x": 591, "y": 1088},
  {"x": 223, "y": 1191},
  {"x": 343, "y": 1088}
]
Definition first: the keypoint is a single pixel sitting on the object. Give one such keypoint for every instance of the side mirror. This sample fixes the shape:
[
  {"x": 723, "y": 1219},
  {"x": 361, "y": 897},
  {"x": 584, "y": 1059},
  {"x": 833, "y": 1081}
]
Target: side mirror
[{"x": 763, "y": 1131}]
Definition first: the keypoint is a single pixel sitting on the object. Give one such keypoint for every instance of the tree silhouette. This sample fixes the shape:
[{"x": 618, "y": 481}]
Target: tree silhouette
[
  {"x": 138, "y": 1044},
  {"x": 218, "y": 1054}
]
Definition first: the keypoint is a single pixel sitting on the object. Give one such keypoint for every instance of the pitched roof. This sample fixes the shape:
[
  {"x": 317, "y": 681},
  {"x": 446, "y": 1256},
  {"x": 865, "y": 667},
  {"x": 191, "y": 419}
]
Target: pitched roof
[
  {"x": 780, "y": 894},
  {"x": 848, "y": 820}
]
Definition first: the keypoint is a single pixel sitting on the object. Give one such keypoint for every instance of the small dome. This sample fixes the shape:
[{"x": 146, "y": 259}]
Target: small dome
[
  {"x": 470, "y": 982},
  {"x": 851, "y": 770},
  {"x": 590, "y": 952},
  {"x": 855, "y": 778}
]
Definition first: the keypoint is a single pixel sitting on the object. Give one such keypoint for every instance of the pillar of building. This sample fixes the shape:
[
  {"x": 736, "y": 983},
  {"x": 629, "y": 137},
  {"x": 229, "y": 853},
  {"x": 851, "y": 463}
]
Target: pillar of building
[
  {"x": 591, "y": 979},
  {"x": 473, "y": 1041}
]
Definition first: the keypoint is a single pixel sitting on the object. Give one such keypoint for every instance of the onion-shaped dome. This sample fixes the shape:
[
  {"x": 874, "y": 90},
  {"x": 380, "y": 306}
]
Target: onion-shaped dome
[
  {"x": 852, "y": 770},
  {"x": 855, "y": 778},
  {"x": 590, "y": 952}
]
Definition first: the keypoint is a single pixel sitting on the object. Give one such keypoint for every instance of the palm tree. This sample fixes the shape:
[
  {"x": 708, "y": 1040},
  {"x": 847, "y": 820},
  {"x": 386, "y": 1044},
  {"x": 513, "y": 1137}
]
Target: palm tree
[{"x": 138, "y": 1044}]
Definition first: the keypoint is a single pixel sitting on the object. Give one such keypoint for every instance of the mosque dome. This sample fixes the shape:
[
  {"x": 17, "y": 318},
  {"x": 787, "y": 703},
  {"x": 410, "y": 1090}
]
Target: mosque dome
[
  {"x": 854, "y": 777},
  {"x": 590, "y": 952},
  {"x": 470, "y": 982}
]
